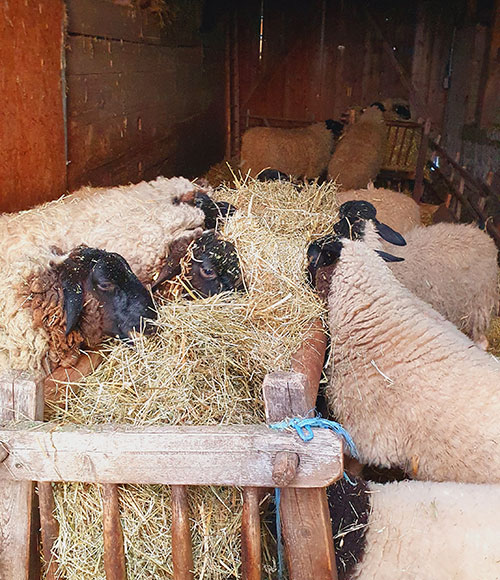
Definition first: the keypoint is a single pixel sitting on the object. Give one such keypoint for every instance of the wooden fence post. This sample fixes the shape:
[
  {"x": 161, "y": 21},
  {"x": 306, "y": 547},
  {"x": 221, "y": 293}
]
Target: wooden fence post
[
  {"x": 418, "y": 189},
  {"x": 20, "y": 399},
  {"x": 305, "y": 517}
]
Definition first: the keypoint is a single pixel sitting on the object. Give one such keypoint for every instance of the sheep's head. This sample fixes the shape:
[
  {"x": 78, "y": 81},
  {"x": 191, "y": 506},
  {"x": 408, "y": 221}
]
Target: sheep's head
[
  {"x": 336, "y": 127},
  {"x": 215, "y": 266},
  {"x": 90, "y": 273},
  {"x": 209, "y": 263},
  {"x": 353, "y": 216}
]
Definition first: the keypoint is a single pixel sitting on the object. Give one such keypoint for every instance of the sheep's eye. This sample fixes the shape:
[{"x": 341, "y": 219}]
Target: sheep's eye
[
  {"x": 105, "y": 286},
  {"x": 208, "y": 273}
]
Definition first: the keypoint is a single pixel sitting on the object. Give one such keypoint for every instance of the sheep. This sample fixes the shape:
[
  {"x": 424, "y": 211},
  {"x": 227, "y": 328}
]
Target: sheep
[
  {"x": 359, "y": 154},
  {"x": 213, "y": 268},
  {"x": 397, "y": 210},
  {"x": 394, "y": 108},
  {"x": 412, "y": 390},
  {"x": 53, "y": 306},
  {"x": 453, "y": 267},
  {"x": 301, "y": 152},
  {"x": 415, "y": 530},
  {"x": 139, "y": 222}
]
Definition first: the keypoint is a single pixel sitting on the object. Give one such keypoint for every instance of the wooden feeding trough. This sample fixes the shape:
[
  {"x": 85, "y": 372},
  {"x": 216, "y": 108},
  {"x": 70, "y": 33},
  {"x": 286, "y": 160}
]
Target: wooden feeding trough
[{"x": 254, "y": 457}]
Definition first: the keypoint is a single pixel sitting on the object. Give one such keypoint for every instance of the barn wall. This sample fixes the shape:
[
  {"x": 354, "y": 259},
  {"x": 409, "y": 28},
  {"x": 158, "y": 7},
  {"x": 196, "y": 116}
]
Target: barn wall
[
  {"x": 145, "y": 94},
  {"x": 32, "y": 160},
  {"x": 322, "y": 57}
]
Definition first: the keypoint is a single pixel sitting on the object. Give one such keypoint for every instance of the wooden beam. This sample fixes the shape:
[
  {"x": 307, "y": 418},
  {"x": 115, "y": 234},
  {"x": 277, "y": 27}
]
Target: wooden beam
[
  {"x": 195, "y": 455},
  {"x": 305, "y": 516},
  {"x": 49, "y": 528},
  {"x": 251, "y": 560},
  {"x": 20, "y": 399},
  {"x": 114, "y": 551},
  {"x": 182, "y": 547}
]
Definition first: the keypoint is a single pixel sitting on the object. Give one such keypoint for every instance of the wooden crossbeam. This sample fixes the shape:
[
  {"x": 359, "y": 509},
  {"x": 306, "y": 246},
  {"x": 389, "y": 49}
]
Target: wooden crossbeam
[{"x": 194, "y": 455}]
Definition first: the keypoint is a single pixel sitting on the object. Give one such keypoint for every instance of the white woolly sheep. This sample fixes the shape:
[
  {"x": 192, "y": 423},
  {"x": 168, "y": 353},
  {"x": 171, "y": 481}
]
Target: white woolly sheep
[
  {"x": 53, "y": 306},
  {"x": 415, "y": 530},
  {"x": 397, "y": 210},
  {"x": 453, "y": 267},
  {"x": 359, "y": 154},
  {"x": 139, "y": 222},
  {"x": 301, "y": 152},
  {"x": 412, "y": 390}
]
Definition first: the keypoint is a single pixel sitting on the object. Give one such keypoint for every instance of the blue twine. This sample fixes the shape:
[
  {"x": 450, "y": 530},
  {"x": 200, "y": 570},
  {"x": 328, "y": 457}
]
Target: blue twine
[{"x": 304, "y": 428}]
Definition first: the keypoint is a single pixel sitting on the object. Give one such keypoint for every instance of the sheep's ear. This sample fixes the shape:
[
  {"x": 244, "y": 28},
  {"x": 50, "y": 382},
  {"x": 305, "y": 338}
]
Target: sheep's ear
[
  {"x": 389, "y": 235},
  {"x": 388, "y": 257},
  {"x": 73, "y": 303}
]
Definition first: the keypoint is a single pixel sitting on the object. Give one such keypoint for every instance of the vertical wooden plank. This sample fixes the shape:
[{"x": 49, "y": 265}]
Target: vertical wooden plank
[
  {"x": 251, "y": 564},
  {"x": 20, "y": 399},
  {"x": 305, "y": 517},
  {"x": 418, "y": 189},
  {"x": 49, "y": 528},
  {"x": 114, "y": 552},
  {"x": 182, "y": 551}
]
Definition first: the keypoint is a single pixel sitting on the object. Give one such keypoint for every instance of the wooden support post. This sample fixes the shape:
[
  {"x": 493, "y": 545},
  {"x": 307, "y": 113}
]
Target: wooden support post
[
  {"x": 182, "y": 550},
  {"x": 251, "y": 564},
  {"x": 20, "y": 399},
  {"x": 305, "y": 517},
  {"x": 114, "y": 552},
  {"x": 49, "y": 527},
  {"x": 418, "y": 189}
]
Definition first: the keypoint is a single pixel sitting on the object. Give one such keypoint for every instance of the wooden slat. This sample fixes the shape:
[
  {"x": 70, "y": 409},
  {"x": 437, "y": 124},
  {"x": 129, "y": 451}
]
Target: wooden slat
[
  {"x": 182, "y": 550},
  {"x": 198, "y": 455},
  {"x": 305, "y": 518},
  {"x": 20, "y": 399},
  {"x": 49, "y": 528},
  {"x": 114, "y": 552},
  {"x": 418, "y": 189},
  {"x": 251, "y": 561}
]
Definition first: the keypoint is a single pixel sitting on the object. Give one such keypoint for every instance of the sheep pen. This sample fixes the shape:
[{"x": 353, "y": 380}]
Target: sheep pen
[{"x": 204, "y": 366}]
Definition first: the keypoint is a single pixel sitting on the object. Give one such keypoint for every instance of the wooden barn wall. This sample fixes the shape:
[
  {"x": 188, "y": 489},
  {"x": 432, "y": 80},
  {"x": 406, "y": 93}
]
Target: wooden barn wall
[
  {"x": 145, "y": 95},
  {"x": 33, "y": 161},
  {"x": 320, "y": 58}
]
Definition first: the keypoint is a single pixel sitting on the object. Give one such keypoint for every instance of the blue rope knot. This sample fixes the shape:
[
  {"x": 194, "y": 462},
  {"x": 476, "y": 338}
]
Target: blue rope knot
[{"x": 304, "y": 428}]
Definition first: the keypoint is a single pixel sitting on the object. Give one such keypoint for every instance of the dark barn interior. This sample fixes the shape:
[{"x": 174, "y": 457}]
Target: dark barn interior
[{"x": 108, "y": 92}]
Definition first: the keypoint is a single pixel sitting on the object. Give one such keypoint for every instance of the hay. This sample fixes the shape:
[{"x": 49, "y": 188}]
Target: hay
[
  {"x": 222, "y": 173},
  {"x": 204, "y": 366},
  {"x": 493, "y": 336}
]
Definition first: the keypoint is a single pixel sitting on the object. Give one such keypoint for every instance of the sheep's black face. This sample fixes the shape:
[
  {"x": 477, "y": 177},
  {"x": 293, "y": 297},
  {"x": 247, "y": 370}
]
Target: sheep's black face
[
  {"x": 320, "y": 254},
  {"x": 336, "y": 127},
  {"x": 402, "y": 111},
  {"x": 215, "y": 266},
  {"x": 215, "y": 211},
  {"x": 126, "y": 303}
]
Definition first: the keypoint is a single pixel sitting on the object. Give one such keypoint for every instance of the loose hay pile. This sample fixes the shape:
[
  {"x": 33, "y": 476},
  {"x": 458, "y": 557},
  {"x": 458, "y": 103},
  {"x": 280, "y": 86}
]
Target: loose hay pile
[{"x": 204, "y": 366}]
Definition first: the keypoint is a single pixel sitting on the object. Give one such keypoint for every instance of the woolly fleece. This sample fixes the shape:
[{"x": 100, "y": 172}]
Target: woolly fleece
[
  {"x": 301, "y": 152},
  {"x": 359, "y": 153},
  {"x": 412, "y": 390}
]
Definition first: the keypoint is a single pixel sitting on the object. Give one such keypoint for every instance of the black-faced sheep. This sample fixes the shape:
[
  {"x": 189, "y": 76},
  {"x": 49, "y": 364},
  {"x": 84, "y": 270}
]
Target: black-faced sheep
[
  {"x": 415, "y": 530},
  {"x": 212, "y": 266},
  {"x": 453, "y": 267},
  {"x": 301, "y": 152},
  {"x": 397, "y": 210},
  {"x": 61, "y": 303},
  {"x": 411, "y": 389},
  {"x": 359, "y": 154}
]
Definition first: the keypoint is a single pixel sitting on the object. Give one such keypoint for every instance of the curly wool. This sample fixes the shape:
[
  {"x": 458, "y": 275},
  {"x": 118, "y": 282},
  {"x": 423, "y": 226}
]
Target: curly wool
[
  {"x": 425, "y": 530},
  {"x": 137, "y": 221},
  {"x": 301, "y": 152},
  {"x": 454, "y": 268},
  {"x": 359, "y": 154},
  {"x": 397, "y": 210},
  {"x": 412, "y": 390}
]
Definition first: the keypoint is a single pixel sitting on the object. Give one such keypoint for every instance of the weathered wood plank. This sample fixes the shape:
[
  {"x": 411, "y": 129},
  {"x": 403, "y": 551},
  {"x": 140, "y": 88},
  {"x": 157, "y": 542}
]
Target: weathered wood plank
[
  {"x": 305, "y": 518},
  {"x": 114, "y": 551},
  {"x": 251, "y": 559},
  {"x": 20, "y": 399},
  {"x": 182, "y": 550},
  {"x": 49, "y": 528},
  {"x": 208, "y": 455}
]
